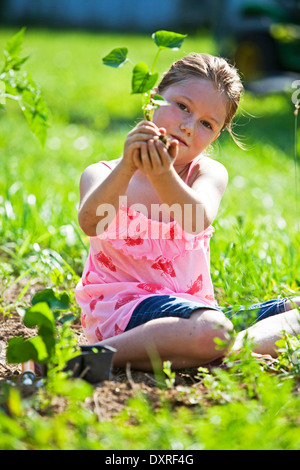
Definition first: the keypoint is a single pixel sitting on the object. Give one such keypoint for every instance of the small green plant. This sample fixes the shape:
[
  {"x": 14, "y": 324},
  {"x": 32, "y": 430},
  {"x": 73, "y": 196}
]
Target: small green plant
[
  {"x": 144, "y": 78},
  {"x": 170, "y": 380},
  {"x": 53, "y": 344},
  {"x": 289, "y": 355},
  {"x": 17, "y": 85}
]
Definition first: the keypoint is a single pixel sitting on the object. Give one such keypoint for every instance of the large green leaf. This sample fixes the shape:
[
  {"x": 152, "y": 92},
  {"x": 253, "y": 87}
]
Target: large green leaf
[
  {"x": 12, "y": 51},
  {"x": 39, "y": 348},
  {"x": 142, "y": 79},
  {"x": 40, "y": 315},
  {"x": 168, "y": 39},
  {"x": 116, "y": 58},
  {"x": 55, "y": 300},
  {"x": 35, "y": 111},
  {"x": 14, "y": 45},
  {"x": 20, "y": 350}
]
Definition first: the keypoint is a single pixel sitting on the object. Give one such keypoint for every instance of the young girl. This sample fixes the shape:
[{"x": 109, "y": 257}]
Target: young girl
[{"x": 146, "y": 288}]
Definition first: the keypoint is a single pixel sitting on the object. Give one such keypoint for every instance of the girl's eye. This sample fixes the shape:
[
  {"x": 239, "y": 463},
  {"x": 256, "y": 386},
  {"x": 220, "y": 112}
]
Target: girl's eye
[
  {"x": 206, "y": 124},
  {"x": 182, "y": 106}
]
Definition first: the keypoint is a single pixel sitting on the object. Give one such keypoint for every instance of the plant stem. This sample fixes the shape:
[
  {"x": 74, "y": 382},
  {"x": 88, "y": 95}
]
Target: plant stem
[
  {"x": 146, "y": 102},
  {"x": 147, "y": 96},
  {"x": 155, "y": 60}
]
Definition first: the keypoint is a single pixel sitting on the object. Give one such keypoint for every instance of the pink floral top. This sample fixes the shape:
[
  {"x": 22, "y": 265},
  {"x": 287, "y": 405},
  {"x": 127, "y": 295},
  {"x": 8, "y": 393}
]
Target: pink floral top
[{"x": 136, "y": 258}]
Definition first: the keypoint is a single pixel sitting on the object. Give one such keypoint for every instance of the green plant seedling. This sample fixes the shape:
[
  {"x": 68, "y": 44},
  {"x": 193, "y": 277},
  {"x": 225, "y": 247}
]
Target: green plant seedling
[
  {"x": 170, "y": 380},
  {"x": 144, "y": 78},
  {"x": 44, "y": 313},
  {"x": 17, "y": 85},
  {"x": 39, "y": 348},
  {"x": 56, "y": 301}
]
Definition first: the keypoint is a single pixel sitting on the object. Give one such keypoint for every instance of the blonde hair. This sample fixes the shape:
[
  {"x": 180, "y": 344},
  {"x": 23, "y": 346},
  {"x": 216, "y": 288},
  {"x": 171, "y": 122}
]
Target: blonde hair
[{"x": 224, "y": 76}]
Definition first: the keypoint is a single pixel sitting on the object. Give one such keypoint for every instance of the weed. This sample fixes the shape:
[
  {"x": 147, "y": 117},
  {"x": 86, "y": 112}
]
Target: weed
[
  {"x": 19, "y": 87},
  {"x": 170, "y": 380}
]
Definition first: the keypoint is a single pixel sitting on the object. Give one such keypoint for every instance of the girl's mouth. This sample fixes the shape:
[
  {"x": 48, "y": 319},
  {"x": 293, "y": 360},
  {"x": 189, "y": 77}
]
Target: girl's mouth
[{"x": 180, "y": 140}]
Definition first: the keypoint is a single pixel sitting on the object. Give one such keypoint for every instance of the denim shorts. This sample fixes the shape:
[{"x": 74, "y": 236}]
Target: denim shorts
[{"x": 160, "y": 306}]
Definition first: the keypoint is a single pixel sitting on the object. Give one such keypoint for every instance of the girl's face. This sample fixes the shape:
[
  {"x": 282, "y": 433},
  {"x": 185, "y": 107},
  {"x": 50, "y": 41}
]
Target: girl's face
[{"x": 195, "y": 116}]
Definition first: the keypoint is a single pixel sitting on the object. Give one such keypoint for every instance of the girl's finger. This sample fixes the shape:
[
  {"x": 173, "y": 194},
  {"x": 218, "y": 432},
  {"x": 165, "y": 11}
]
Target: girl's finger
[
  {"x": 154, "y": 155},
  {"x": 147, "y": 124},
  {"x": 148, "y": 127},
  {"x": 173, "y": 149},
  {"x": 163, "y": 153},
  {"x": 145, "y": 159},
  {"x": 136, "y": 158},
  {"x": 140, "y": 136}
]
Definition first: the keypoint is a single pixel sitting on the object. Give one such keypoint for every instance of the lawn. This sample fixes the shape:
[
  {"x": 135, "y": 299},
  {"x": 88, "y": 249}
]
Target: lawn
[{"x": 254, "y": 256}]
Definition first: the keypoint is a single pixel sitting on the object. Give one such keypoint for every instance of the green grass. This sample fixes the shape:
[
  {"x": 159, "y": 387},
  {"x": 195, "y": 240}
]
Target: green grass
[{"x": 255, "y": 249}]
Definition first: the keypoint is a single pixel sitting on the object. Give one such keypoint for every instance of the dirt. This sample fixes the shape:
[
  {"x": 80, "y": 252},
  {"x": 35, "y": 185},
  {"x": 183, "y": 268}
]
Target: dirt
[{"x": 109, "y": 397}]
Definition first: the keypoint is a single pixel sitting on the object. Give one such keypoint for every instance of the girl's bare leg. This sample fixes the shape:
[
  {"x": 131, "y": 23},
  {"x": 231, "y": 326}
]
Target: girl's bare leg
[
  {"x": 266, "y": 332},
  {"x": 292, "y": 304},
  {"x": 185, "y": 342}
]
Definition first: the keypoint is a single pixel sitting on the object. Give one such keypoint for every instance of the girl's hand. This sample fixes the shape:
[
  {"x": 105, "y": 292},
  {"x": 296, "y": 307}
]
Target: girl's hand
[
  {"x": 154, "y": 157},
  {"x": 135, "y": 141}
]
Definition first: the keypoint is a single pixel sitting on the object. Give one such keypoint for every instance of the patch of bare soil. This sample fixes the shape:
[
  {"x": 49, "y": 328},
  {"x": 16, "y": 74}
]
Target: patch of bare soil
[{"x": 111, "y": 396}]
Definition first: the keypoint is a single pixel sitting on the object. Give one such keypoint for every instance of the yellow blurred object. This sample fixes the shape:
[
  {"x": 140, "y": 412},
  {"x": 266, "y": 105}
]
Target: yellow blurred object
[{"x": 285, "y": 32}]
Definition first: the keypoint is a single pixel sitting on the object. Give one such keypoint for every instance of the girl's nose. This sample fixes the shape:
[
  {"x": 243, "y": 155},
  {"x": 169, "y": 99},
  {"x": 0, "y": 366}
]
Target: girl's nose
[{"x": 187, "y": 127}]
